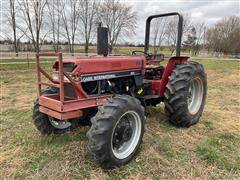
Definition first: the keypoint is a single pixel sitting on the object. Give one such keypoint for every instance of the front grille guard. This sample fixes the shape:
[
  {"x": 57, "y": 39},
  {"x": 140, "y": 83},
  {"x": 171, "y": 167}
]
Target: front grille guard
[
  {"x": 59, "y": 105},
  {"x": 60, "y": 83}
]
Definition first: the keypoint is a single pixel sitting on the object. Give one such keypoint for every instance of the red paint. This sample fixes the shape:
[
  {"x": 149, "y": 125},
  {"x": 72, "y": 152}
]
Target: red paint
[
  {"x": 167, "y": 72},
  {"x": 62, "y": 107},
  {"x": 53, "y": 102},
  {"x": 61, "y": 115},
  {"x": 156, "y": 87},
  {"x": 99, "y": 64}
]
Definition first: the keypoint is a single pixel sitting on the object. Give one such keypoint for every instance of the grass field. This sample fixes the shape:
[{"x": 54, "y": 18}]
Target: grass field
[{"x": 208, "y": 150}]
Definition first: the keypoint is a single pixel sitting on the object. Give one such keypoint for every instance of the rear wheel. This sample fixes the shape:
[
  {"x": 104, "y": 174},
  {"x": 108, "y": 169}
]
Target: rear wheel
[
  {"x": 116, "y": 131},
  {"x": 185, "y": 94}
]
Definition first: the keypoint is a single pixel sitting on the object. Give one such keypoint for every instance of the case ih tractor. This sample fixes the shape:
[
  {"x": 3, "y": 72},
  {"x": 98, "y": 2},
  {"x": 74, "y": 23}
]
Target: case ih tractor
[{"x": 110, "y": 93}]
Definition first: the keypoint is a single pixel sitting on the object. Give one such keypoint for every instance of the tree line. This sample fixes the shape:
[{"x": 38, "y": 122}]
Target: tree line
[
  {"x": 73, "y": 21},
  {"x": 222, "y": 37}
]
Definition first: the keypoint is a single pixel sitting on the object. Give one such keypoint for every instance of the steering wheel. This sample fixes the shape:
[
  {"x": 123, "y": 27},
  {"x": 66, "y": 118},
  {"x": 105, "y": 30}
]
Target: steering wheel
[{"x": 148, "y": 55}]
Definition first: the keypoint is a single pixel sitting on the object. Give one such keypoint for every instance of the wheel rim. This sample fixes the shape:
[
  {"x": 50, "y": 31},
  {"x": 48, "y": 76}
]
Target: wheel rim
[
  {"x": 126, "y": 135},
  {"x": 195, "y": 95},
  {"x": 59, "y": 124}
]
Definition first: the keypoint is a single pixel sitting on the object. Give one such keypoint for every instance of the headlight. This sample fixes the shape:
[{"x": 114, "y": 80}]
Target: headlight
[{"x": 55, "y": 77}]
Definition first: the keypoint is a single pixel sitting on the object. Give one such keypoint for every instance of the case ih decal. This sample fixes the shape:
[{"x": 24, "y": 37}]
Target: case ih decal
[{"x": 109, "y": 75}]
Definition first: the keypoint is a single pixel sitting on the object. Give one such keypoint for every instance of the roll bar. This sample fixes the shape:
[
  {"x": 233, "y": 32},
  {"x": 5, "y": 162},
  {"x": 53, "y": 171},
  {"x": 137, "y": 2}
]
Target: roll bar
[{"x": 180, "y": 30}]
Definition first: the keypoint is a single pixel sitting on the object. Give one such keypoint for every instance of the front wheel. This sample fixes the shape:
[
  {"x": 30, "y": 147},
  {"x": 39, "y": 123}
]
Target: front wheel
[
  {"x": 47, "y": 124},
  {"x": 185, "y": 94},
  {"x": 116, "y": 131}
]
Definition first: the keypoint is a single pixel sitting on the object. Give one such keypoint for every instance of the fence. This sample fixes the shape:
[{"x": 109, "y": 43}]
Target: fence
[{"x": 26, "y": 59}]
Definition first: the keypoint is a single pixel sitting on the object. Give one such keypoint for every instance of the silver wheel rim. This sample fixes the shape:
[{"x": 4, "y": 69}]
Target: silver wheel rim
[
  {"x": 127, "y": 147},
  {"x": 195, "y": 95},
  {"x": 59, "y": 124}
]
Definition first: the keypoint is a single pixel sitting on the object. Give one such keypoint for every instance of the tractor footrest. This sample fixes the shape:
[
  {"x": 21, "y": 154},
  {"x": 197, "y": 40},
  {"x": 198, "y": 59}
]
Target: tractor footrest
[{"x": 61, "y": 115}]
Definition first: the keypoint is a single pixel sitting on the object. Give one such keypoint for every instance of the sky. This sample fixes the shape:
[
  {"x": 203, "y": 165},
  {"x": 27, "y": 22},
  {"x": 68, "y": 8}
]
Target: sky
[{"x": 200, "y": 11}]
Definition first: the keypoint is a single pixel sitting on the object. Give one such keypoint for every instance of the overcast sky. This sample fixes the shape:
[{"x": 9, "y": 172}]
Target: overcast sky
[{"x": 205, "y": 11}]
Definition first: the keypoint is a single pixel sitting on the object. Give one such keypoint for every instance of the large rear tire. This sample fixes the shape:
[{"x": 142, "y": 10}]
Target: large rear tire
[
  {"x": 185, "y": 94},
  {"x": 116, "y": 132}
]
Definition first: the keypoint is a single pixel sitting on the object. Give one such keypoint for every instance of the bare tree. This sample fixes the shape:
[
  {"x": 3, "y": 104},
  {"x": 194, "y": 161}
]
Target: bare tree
[
  {"x": 12, "y": 7},
  {"x": 70, "y": 18},
  {"x": 171, "y": 35},
  {"x": 119, "y": 19},
  {"x": 88, "y": 16},
  {"x": 33, "y": 13},
  {"x": 224, "y": 36},
  {"x": 200, "y": 32},
  {"x": 172, "y": 30},
  {"x": 54, "y": 13},
  {"x": 159, "y": 33},
  {"x": 11, "y": 20}
]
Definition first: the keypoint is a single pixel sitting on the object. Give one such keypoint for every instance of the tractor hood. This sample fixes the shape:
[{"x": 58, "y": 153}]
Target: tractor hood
[{"x": 98, "y": 64}]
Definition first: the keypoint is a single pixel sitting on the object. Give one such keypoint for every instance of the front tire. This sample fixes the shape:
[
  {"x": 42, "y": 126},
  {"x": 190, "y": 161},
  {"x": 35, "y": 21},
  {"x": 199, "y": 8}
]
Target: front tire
[
  {"x": 116, "y": 132},
  {"x": 43, "y": 122},
  {"x": 185, "y": 94}
]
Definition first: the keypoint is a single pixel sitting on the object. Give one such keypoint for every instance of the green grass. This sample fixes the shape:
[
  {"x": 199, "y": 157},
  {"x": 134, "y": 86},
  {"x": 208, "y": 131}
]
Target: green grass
[
  {"x": 218, "y": 150},
  {"x": 209, "y": 124},
  {"x": 31, "y": 66},
  {"x": 208, "y": 150},
  {"x": 23, "y": 59},
  {"x": 220, "y": 64},
  {"x": 165, "y": 149}
]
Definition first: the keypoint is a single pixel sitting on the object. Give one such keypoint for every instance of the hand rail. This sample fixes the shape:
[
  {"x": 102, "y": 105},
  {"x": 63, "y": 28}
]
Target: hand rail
[
  {"x": 61, "y": 75},
  {"x": 40, "y": 71}
]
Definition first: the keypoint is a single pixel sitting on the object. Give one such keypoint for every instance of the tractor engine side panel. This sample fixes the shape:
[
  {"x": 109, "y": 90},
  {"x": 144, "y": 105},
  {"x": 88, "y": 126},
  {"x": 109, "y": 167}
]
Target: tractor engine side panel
[
  {"x": 99, "y": 75},
  {"x": 93, "y": 65}
]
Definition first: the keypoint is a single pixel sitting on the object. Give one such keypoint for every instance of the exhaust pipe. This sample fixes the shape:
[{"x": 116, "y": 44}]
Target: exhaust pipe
[{"x": 102, "y": 40}]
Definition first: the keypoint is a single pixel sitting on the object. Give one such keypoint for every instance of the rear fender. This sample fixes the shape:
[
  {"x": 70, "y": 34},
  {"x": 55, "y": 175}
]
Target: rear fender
[{"x": 168, "y": 70}]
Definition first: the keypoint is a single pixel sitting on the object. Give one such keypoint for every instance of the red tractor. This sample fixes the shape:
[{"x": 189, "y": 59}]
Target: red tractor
[{"x": 110, "y": 93}]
